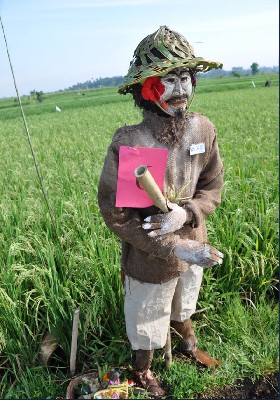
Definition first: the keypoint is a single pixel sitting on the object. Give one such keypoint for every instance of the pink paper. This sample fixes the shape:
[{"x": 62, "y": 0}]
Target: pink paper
[{"x": 129, "y": 193}]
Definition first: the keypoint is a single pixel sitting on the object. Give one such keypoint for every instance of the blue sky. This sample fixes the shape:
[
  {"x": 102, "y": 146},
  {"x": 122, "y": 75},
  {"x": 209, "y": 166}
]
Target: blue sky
[{"x": 54, "y": 44}]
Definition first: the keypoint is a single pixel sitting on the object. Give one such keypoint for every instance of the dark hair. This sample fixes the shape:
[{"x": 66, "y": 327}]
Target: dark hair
[{"x": 145, "y": 104}]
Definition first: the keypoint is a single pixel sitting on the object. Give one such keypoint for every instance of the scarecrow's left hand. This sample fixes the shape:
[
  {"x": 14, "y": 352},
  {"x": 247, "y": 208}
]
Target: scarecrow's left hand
[{"x": 161, "y": 224}]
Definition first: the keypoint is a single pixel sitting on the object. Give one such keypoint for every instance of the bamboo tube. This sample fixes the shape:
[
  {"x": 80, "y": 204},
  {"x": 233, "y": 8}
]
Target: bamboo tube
[
  {"x": 153, "y": 191},
  {"x": 151, "y": 188}
]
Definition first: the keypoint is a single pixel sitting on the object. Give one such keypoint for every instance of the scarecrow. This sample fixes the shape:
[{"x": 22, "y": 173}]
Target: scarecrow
[{"x": 163, "y": 254}]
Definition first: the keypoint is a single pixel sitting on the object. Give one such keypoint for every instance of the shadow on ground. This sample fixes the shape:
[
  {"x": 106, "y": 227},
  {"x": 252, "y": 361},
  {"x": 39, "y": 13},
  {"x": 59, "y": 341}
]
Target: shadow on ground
[{"x": 265, "y": 388}]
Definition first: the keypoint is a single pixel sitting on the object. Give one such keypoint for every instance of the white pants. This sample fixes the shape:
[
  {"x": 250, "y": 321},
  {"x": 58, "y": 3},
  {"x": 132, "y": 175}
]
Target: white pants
[{"x": 149, "y": 307}]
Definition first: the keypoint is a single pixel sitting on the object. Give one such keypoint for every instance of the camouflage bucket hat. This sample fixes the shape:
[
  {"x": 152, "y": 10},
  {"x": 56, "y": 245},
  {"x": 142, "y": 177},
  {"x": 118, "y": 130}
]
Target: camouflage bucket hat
[{"x": 158, "y": 54}]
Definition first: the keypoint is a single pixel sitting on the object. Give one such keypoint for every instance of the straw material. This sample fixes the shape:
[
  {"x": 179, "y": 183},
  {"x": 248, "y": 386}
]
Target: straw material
[{"x": 159, "y": 53}]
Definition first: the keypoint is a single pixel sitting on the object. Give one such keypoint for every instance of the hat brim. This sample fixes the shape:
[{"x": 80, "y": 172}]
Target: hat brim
[{"x": 139, "y": 74}]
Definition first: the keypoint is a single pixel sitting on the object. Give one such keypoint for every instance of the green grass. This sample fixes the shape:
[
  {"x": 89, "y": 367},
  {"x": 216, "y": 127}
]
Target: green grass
[
  {"x": 41, "y": 283},
  {"x": 235, "y": 336},
  {"x": 68, "y": 100}
]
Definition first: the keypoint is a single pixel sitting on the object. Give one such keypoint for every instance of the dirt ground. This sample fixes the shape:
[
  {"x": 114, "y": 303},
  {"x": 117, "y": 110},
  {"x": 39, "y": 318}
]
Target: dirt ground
[{"x": 266, "y": 388}]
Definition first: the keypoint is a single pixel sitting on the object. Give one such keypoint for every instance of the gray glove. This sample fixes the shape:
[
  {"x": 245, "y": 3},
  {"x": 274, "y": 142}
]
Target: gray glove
[
  {"x": 168, "y": 222},
  {"x": 197, "y": 253}
]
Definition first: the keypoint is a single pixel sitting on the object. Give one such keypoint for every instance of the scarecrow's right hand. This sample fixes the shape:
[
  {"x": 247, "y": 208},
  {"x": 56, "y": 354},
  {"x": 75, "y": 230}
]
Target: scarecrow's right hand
[
  {"x": 201, "y": 254},
  {"x": 170, "y": 222}
]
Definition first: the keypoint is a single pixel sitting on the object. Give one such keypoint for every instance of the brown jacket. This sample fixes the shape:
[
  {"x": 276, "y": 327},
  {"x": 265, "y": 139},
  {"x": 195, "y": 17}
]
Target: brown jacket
[{"x": 151, "y": 259}]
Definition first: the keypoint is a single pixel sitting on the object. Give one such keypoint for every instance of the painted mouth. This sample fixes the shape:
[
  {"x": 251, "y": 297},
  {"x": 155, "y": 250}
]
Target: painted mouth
[{"x": 177, "y": 102}]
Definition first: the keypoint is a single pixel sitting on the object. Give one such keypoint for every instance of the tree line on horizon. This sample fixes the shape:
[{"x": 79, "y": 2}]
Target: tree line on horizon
[{"x": 215, "y": 73}]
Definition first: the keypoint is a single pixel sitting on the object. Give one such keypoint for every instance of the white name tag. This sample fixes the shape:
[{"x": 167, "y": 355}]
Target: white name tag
[{"x": 197, "y": 148}]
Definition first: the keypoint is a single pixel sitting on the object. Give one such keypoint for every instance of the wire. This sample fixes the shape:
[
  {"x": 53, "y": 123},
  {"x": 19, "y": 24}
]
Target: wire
[{"x": 31, "y": 146}]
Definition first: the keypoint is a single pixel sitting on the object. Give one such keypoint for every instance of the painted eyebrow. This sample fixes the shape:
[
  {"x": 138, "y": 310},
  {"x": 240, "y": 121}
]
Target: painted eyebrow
[
  {"x": 171, "y": 74},
  {"x": 185, "y": 72}
]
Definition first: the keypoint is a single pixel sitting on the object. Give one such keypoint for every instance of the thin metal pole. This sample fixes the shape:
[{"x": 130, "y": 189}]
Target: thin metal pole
[
  {"x": 31, "y": 146},
  {"x": 73, "y": 353}
]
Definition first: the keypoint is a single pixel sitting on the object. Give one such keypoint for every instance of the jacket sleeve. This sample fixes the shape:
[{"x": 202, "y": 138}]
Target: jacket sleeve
[
  {"x": 209, "y": 187},
  {"x": 126, "y": 222}
]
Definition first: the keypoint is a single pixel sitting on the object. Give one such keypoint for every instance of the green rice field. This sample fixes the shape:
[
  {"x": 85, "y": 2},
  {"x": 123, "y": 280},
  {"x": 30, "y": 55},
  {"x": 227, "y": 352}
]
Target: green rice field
[{"x": 47, "y": 270}]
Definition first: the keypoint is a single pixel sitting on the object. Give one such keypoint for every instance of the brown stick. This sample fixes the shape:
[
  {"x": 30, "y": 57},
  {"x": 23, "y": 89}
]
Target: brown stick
[
  {"x": 73, "y": 353},
  {"x": 168, "y": 350}
]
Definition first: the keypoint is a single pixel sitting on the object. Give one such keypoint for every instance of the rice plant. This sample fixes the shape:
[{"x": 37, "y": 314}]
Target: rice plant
[{"x": 44, "y": 277}]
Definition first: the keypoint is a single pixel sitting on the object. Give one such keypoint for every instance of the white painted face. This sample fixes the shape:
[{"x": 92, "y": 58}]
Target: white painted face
[{"x": 178, "y": 88}]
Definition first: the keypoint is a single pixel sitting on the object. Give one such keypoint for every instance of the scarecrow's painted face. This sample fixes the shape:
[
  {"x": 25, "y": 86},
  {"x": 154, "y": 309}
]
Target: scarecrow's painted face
[
  {"x": 178, "y": 88},
  {"x": 170, "y": 92}
]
